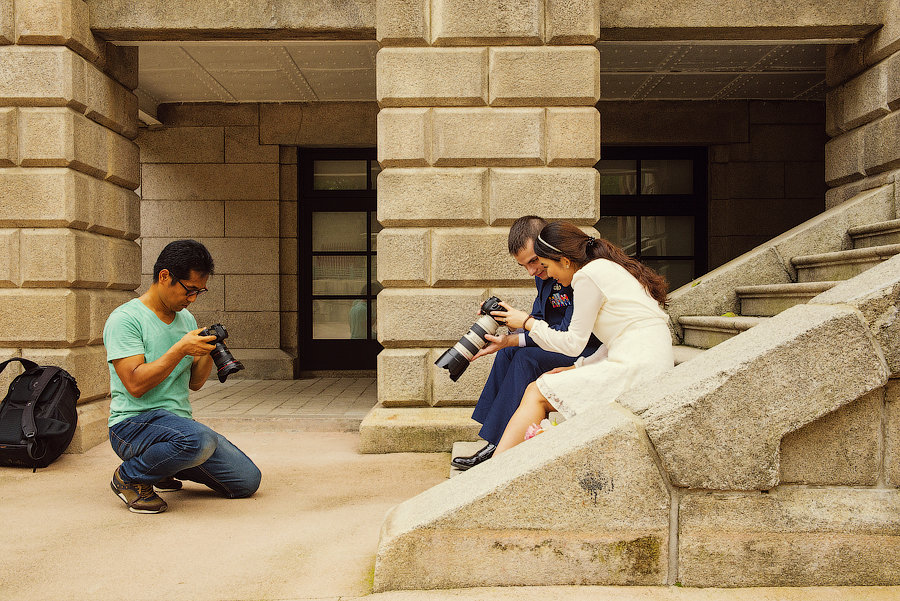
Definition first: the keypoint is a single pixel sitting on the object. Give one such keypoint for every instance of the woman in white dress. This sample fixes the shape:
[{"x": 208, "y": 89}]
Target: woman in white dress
[{"x": 617, "y": 299}]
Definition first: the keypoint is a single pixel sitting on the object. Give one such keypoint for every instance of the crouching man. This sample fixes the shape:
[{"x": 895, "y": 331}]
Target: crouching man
[{"x": 155, "y": 355}]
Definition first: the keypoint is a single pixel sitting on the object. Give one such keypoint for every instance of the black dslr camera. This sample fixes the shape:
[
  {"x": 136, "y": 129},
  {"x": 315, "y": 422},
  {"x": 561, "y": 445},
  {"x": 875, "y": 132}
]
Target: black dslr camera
[
  {"x": 226, "y": 364},
  {"x": 456, "y": 358}
]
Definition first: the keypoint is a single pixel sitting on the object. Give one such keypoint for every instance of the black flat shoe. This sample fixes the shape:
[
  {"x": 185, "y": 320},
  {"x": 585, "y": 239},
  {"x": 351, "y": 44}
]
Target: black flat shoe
[{"x": 464, "y": 463}]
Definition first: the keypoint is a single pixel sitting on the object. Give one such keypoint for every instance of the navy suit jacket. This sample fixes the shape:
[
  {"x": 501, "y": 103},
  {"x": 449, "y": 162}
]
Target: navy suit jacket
[{"x": 559, "y": 312}]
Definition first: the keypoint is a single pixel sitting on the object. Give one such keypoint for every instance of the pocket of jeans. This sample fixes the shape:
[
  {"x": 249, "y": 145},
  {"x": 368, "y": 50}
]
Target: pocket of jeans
[{"x": 120, "y": 446}]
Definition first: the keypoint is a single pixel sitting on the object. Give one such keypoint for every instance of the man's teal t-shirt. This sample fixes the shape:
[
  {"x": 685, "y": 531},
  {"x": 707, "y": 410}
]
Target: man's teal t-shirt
[{"x": 134, "y": 329}]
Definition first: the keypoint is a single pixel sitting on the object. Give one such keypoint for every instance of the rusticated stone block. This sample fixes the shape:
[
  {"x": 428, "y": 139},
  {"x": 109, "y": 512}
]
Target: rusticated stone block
[
  {"x": 9, "y": 138},
  {"x": 58, "y": 22},
  {"x": 432, "y": 196},
  {"x": 92, "y": 429},
  {"x": 13, "y": 369},
  {"x": 402, "y": 22},
  {"x": 572, "y": 21},
  {"x": 465, "y": 391},
  {"x": 86, "y": 363},
  {"x": 123, "y": 162},
  {"x": 790, "y": 537},
  {"x": 892, "y": 432},
  {"x": 318, "y": 123},
  {"x": 404, "y": 137},
  {"x": 209, "y": 182},
  {"x": 553, "y": 193},
  {"x": 404, "y": 377},
  {"x": 717, "y": 421},
  {"x": 7, "y": 26},
  {"x": 182, "y": 145},
  {"x": 834, "y": 112},
  {"x": 844, "y": 158},
  {"x": 186, "y": 218},
  {"x": 544, "y": 76},
  {"x": 60, "y": 137},
  {"x": 251, "y": 218},
  {"x": 70, "y": 258},
  {"x": 24, "y": 311},
  {"x": 242, "y": 146},
  {"x": 121, "y": 63},
  {"x": 231, "y": 255},
  {"x": 432, "y": 77},
  {"x": 252, "y": 292},
  {"x": 875, "y": 293},
  {"x": 488, "y": 137},
  {"x": 102, "y": 303},
  {"x": 839, "y": 449},
  {"x": 9, "y": 259},
  {"x": 865, "y": 97},
  {"x": 404, "y": 257},
  {"x": 882, "y": 143},
  {"x": 116, "y": 212},
  {"x": 573, "y": 137},
  {"x": 470, "y": 22},
  {"x": 472, "y": 257},
  {"x": 613, "y": 530},
  {"x": 110, "y": 103},
  {"x": 400, "y": 311},
  {"x": 46, "y": 76}
]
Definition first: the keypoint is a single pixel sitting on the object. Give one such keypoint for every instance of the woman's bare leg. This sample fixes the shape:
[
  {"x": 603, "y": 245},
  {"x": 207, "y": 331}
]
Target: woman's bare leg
[{"x": 532, "y": 409}]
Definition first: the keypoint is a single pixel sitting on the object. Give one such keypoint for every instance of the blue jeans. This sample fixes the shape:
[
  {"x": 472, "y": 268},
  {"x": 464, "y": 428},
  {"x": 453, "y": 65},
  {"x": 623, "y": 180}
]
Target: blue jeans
[{"x": 157, "y": 444}]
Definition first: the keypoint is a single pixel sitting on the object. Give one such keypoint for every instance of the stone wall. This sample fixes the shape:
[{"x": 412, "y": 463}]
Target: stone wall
[
  {"x": 766, "y": 161},
  {"x": 68, "y": 210},
  {"x": 863, "y": 112}
]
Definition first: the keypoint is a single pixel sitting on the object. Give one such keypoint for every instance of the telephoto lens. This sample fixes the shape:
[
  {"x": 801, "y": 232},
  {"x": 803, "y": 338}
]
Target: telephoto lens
[
  {"x": 456, "y": 359},
  {"x": 225, "y": 362}
]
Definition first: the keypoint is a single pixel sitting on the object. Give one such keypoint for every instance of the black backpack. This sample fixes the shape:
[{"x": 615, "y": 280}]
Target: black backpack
[{"x": 37, "y": 416}]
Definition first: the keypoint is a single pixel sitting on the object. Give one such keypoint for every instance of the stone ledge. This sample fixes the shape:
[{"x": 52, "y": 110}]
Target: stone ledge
[{"x": 416, "y": 429}]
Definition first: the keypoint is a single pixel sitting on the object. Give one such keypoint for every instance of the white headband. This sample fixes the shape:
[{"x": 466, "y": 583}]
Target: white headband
[{"x": 548, "y": 245}]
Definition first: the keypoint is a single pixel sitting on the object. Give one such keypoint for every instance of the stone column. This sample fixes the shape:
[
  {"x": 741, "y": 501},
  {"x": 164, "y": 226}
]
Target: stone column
[
  {"x": 487, "y": 114},
  {"x": 69, "y": 215}
]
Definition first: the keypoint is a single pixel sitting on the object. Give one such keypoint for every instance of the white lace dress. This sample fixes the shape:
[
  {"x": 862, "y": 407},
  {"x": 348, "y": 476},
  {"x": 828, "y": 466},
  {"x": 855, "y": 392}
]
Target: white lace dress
[{"x": 613, "y": 305}]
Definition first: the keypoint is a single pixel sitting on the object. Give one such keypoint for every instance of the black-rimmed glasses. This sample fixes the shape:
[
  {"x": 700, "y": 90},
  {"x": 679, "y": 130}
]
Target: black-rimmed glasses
[{"x": 191, "y": 293}]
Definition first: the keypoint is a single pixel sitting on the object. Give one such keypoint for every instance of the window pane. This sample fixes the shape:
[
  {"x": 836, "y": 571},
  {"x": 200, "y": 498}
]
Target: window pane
[
  {"x": 339, "y": 275},
  {"x": 376, "y": 285},
  {"x": 621, "y": 231},
  {"x": 339, "y": 231},
  {"x": 678, "y": 273},
  {"x": 376, "y": 227},
  {"x": 376, "y": 169},
  {"x": 339, "y": 175},
  {"x": 666, "y": 235},
  {"x": 618, "y": 177},
  {"x": 667, "y": 177},
  {"x": 333, "y": 319}
]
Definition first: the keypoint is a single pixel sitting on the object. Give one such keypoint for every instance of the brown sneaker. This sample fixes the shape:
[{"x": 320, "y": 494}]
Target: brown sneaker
[
  {"x": 139, "y": 497},
  {"x": 169, "y": 484}
]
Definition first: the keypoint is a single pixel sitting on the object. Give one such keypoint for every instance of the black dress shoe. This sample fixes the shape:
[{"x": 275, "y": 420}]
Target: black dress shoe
[{"x": 464, "y": 463}]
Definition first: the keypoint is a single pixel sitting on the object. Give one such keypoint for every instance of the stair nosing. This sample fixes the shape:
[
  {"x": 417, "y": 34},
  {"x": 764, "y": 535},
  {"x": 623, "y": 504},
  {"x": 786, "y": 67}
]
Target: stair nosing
[
  {"x": 882, "y": 227},
  {"x": 847, "y": 256},
  {"x": 785, "y": 290}
]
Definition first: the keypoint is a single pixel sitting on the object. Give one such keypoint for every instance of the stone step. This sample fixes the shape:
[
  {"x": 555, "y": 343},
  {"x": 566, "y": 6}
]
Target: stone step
[
  {"x": 706, "y": 331},
  {"x": 843, "y": 264},
  {"x": 875, "y": 234},
  {"x": 771, "y": 299},
  {"x": 416, "y": 429}
]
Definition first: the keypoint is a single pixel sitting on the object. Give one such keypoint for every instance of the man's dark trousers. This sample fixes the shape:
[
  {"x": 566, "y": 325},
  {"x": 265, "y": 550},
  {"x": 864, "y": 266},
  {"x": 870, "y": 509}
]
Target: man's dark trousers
[{"x": 513, "y": 370}]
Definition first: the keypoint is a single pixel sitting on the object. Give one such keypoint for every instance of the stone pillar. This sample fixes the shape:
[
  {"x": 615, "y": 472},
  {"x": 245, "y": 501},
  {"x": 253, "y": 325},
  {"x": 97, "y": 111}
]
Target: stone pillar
[
  {"x": 69, "y": 215},
  {"x": 487, "y": 114}
]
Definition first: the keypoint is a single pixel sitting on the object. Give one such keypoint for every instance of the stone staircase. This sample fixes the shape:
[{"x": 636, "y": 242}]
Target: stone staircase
[
  {"x": 769, "y": 458},
  {"x": 815, "y": 274}
]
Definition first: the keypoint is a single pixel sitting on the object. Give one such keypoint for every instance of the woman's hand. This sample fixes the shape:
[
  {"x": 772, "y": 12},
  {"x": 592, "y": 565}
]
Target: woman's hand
[
  {"x": 556, "y": 370},
  {"x": 512, "y": 318}
]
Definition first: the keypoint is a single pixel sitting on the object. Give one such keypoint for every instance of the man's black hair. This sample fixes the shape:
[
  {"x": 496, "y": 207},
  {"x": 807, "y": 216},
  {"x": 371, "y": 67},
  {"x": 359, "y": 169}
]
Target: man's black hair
[
  {"x": 181, "y": 257},
  {"x": 524, "y": 230}
]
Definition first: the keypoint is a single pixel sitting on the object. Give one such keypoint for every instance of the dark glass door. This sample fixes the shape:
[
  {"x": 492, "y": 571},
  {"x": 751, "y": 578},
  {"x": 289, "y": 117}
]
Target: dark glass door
[
  {"x": 337, "y": 259},
  {"x": 653, "y": 205}
]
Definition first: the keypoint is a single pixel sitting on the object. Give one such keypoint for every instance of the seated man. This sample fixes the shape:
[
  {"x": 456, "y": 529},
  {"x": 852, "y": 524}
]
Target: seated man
[
  {"x": 520, "y": 361},
  {"x": 155, "y": 354}
]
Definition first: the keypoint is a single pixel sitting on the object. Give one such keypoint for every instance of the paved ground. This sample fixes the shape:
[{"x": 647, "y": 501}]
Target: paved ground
[{"x": 311, "y": 532}]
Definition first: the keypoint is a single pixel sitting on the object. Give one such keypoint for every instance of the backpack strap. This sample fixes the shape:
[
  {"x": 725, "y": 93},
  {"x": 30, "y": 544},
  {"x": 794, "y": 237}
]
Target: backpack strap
[
  {"x": 25, "y": 363},
  {"x": 28, "y": 426}
]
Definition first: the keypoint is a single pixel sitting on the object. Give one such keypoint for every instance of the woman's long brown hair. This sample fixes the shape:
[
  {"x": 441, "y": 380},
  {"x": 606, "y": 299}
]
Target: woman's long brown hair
[{"x": 563, "y": 239}]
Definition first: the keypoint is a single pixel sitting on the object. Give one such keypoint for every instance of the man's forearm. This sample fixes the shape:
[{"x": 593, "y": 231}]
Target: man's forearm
[
  {"x": 147, "y": 376},
  {"x": 200, "y": 370}
]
